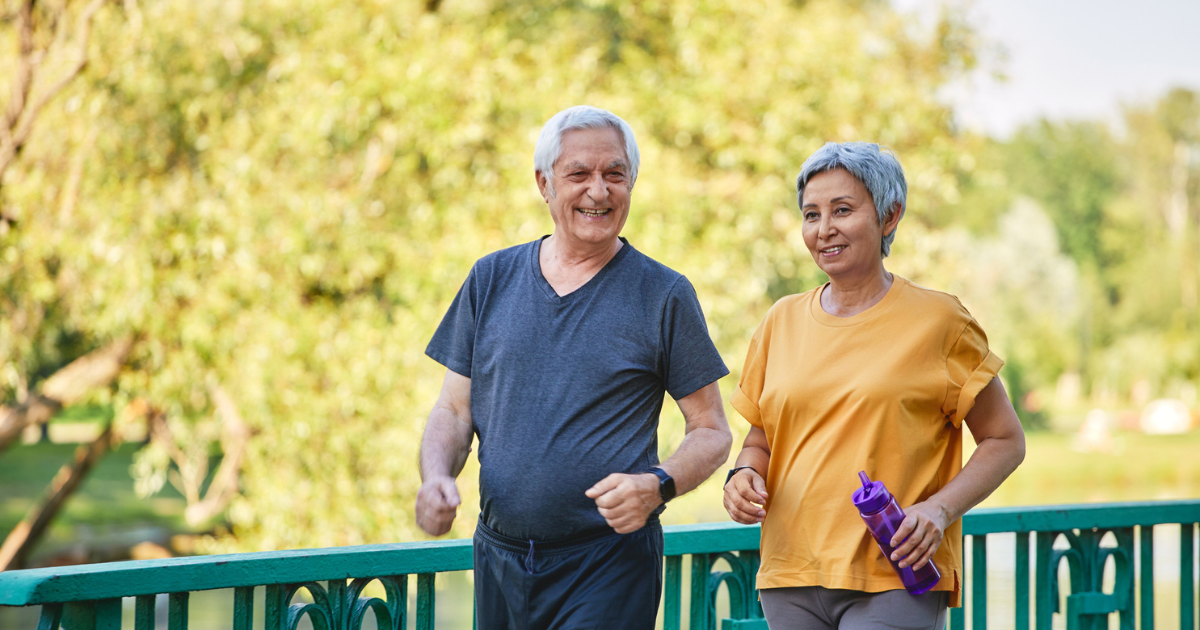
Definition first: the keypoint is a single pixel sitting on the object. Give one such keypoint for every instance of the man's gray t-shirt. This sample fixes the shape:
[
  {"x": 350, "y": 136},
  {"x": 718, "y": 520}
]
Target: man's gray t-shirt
[{"x": 567, "y": 389}]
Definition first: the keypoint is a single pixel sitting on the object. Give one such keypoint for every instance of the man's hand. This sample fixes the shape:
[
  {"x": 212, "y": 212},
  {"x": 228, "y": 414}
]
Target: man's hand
[
  {"x": 746, "y": 496},
  {"x": 919, "y": 535},
  {"x": 626, "y": 501},
  {"x": 444, "y": 448},
  {"x": 437, "y": 505}
]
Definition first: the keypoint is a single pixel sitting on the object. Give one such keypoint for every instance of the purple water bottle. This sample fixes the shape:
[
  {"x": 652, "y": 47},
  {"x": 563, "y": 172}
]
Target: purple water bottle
[{"x": 883, "y": 517}]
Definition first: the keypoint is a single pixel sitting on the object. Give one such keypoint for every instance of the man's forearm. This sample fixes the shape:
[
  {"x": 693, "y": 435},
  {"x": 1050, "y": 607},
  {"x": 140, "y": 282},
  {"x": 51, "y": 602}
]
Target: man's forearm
[
  {"x": 700, "y": 453},
  {"x": 445, "y": 445}
]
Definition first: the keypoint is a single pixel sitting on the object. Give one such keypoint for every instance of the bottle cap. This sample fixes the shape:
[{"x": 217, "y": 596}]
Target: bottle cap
[{"x": 872, "y": 496}]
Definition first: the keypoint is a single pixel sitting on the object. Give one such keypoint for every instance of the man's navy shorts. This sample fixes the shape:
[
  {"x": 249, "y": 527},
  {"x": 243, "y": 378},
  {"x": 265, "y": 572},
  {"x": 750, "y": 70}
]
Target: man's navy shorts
[{"x": 606, "y": 580}]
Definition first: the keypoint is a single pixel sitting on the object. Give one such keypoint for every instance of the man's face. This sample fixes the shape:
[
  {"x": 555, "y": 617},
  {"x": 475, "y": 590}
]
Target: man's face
[{"x": 592, "y": 187}]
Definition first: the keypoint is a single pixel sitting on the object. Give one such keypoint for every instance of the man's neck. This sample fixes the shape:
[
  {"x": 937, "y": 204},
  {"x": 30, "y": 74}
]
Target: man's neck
[{"x": 567, "y": 267}]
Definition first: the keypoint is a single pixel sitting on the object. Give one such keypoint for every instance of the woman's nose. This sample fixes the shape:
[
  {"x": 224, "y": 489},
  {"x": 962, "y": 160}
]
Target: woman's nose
[{"x": 826, "y": 228}]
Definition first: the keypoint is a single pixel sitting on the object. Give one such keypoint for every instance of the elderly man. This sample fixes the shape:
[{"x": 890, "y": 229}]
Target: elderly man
[{"x": 558, "y": 353}]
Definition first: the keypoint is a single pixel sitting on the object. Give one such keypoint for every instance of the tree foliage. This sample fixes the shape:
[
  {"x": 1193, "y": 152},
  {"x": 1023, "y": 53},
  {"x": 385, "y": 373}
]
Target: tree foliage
[
  {"x": 1125, "y": 205},
  {"x": 278, "y": 200}
]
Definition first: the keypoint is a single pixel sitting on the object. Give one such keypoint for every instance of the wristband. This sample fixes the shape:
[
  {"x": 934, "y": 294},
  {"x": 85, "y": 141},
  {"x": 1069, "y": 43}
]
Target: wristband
[{"x": 734, "y": 472}]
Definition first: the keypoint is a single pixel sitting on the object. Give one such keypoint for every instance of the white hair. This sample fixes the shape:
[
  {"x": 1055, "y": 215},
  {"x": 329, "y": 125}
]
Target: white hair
[{"x": 549, "y": 142}]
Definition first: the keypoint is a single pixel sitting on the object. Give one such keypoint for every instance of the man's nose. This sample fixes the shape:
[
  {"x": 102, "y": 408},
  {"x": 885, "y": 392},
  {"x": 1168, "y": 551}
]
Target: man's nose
[{"x": 597, "y": 187}]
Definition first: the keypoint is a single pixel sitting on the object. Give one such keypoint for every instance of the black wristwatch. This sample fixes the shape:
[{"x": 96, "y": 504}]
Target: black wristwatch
[{"x": 666, "y": 484}]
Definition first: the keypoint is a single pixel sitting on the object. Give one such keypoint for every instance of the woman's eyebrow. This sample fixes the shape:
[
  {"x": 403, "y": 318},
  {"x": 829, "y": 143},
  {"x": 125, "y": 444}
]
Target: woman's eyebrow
[{"x": 813, "y": 204}]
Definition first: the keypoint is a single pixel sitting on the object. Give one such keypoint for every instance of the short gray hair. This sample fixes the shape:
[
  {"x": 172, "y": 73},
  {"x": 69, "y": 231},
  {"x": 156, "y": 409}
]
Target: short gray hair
[
  {"x": 549, "y": 142},
  {"x": 878, "y": 168}
]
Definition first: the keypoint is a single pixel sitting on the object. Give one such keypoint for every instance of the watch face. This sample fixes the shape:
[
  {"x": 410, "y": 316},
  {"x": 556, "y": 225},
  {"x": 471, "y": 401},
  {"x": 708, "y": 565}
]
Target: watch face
[
  {"x": 666, "y": 488},
  {"x": 666, "y": 484}
]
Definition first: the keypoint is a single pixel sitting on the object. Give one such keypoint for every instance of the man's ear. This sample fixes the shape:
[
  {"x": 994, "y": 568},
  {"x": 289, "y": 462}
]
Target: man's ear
[{"x": 544, "y": 185}]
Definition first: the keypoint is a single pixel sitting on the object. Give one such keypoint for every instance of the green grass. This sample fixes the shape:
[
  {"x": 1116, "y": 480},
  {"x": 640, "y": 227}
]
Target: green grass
[
  {"x": 1140, "y": 468},
  {"x": 105, "y": 502}
]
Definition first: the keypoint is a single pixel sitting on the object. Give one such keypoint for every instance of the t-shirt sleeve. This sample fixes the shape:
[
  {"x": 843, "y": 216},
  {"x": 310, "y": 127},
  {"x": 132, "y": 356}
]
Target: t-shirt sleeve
[
  {"x": 750, "y": 386},
  {"x": 690, "y": 359},
  {"x": 970, "y": 366},
  {"x": 453, "y": 342}
]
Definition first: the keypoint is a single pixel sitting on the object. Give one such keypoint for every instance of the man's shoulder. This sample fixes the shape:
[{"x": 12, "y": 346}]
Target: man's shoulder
[
  {"x": 650, "y": 270},
  {"x": 507, "y": 257},
  {"x": 502, "y": 264}
]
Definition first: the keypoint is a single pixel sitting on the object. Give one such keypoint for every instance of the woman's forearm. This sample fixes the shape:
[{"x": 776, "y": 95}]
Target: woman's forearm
[
  {"x": 1001, "y": 448},
  {"x": 754, "y": 457},
  {"x": 991, "y": 463},
  {"x": 756, "y": 452}
]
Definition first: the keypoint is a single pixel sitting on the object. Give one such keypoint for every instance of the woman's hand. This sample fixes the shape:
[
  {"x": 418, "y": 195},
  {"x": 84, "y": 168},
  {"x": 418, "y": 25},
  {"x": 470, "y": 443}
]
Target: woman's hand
[
  {"x": 920, "y": 534},
  {"x": 746, "y": 496}
]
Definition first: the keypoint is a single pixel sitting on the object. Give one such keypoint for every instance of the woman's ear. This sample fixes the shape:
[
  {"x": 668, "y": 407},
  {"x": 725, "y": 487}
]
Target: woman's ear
[{"x": 893, "y": 218}]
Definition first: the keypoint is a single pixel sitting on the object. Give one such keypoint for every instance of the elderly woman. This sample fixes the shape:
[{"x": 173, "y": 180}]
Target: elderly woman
[{"x": 868, "y": 372}]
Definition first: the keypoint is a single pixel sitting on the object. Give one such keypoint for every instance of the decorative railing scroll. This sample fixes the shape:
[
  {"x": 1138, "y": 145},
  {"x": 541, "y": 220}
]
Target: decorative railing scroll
[
  {"x": 709, "y": 545},
  {"x": 338, "y": 606},
  {"x": 1088, "y": 606},
  {"x": 1081, "y": 532}
]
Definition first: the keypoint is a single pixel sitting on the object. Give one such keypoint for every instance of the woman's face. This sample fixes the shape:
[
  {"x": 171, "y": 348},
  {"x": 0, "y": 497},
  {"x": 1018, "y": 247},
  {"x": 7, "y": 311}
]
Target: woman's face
[{"x": 841, "y": 226}]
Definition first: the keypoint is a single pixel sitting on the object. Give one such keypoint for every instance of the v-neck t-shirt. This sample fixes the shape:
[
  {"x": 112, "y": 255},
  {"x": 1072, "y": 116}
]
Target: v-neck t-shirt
[{"x": 567, "y": 389}]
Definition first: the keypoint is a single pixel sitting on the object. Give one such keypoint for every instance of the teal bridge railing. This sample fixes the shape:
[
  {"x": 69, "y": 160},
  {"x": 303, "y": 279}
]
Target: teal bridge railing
[{"x": 1107, "y": 549}]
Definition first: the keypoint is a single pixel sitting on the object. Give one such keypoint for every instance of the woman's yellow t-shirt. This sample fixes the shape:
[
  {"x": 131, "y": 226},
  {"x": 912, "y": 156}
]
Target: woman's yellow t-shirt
[{"x": 884, "y": 391}]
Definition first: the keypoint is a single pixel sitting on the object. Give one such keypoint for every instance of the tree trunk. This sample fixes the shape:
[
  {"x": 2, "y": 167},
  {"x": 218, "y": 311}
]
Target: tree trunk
[
  {"x": 29, "y": 531},
  {"x": 63, "y": 388},
  {"x": 235, "y": 438}
]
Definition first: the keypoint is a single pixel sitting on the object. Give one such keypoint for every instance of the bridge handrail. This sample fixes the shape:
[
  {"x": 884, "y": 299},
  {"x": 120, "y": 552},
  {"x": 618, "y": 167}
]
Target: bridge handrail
[
  {"x": 131, "y": 578},
  {"x": 1084, "y": 537}
]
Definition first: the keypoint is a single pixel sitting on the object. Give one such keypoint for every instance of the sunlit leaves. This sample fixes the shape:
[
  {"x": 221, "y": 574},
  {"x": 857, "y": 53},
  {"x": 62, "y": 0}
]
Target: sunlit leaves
[{"x": 283, "y": 197}]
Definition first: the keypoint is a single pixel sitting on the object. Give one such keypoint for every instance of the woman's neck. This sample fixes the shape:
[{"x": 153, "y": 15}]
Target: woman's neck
[{"x": 847, "y": 297}]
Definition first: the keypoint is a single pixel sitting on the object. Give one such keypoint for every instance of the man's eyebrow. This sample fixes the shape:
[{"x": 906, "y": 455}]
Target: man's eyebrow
[{"x": 615, "y": 164}]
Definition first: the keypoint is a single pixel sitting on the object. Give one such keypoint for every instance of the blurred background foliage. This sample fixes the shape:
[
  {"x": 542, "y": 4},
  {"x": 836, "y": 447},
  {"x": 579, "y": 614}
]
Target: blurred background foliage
[{"x": 277, "y": 201}]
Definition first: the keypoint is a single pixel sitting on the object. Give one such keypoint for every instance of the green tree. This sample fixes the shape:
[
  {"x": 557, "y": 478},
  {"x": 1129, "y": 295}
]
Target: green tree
[{"x": 280, "y": 200}]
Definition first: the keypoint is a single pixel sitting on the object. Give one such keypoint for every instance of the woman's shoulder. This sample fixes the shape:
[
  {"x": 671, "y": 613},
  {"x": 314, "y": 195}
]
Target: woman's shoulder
[
  {"x": 926, "y": 302},
  {"x": 794, "y": 304}
]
